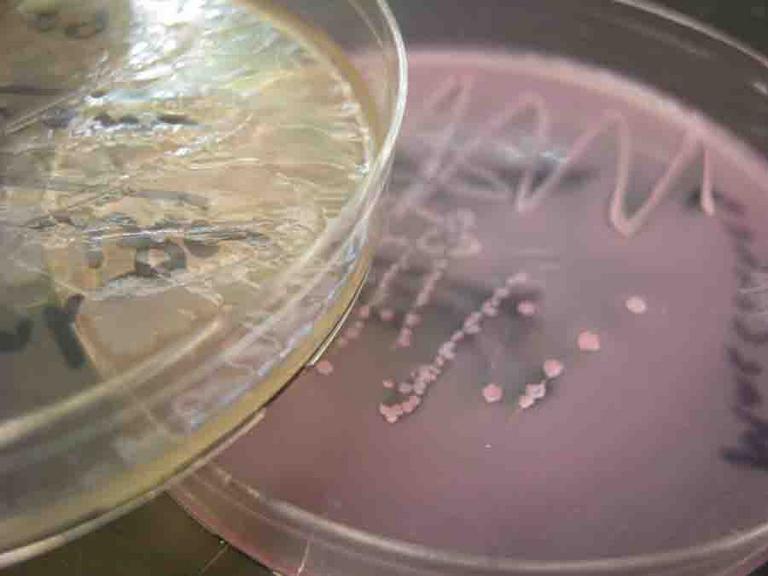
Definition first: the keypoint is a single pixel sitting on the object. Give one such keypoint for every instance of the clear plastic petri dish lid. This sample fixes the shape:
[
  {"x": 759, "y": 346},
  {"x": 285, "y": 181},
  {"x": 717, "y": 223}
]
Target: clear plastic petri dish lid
[
  {"x": 188, "y": 198},
  {"x": 558, "y": 365}
]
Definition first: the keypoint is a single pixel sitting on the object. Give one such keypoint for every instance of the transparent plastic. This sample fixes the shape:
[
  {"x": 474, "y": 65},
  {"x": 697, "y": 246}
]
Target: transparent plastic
[
  {"x": 75, "y": 450},
  {"x": 534, "y": 381}
]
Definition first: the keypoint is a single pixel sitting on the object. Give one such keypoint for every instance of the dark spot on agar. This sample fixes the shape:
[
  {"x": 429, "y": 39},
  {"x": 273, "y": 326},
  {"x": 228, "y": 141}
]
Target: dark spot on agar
[
  {"x": 62, "y": 217},
  {"x": 42, "y": 223},
  {"x": 135, "y": 239},
  {"x": 59, "y": 322},
  {"x": 129, "y": 120},
  {"x": 141, "y": 267},
  {"x": 176, "y": 259},
  {"x": 94, "y": 257},
  {"x": 120, "y": 219},
  {"x": 176, "y": 119},
  {"x": 59, "y": 118},
  {"x": 105, "y": 119},
  {"x": 72, "y": 305},
  {"x": 17, "y": 340},
  {"x": 201, "y": 249},
  {"x": 44, "y": 22},
  {"x": 95, "y": 25}
]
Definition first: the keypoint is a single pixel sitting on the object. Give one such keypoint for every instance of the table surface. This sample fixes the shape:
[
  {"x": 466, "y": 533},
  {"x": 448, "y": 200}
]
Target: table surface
[{"x": 159, "y": 539}]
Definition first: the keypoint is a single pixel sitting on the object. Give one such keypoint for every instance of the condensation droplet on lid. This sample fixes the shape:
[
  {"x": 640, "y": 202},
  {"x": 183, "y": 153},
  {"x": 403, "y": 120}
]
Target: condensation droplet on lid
[
  {"x": 493, "y": 393},
  {"x": 589, "y": 342}
]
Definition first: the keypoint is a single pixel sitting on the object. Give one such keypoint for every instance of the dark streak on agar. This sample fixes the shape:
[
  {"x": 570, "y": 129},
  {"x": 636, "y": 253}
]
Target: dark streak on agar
[
  {"x": 752, "y": 448},
  {"x": 176, "y": 119},
  {"x": 740, "y": 233},
  {"x": 749, "y": 334},
  {"x": 753, "y": 444},
  {"x": 746, "y": 303},
  {"x": 25, "y": 90},
  {"x": 746, "y": 256},
  {"x": 742, "y": 364},
  {"x": 73, "y": 304},
  {"x": 748, "y": 394},
  {"x": 728, "y": 204},
  {"x": 59, "y": 322}
]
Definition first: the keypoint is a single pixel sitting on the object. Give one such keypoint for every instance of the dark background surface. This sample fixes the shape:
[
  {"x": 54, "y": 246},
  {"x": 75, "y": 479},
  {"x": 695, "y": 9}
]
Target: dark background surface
[{"x": 159, "y": 539}]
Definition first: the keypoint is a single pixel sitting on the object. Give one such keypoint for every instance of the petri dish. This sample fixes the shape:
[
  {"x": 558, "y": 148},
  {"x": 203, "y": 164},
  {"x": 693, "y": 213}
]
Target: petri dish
[
  {"x": 558, "y": 364},
  {"x": 188, "y": 200}
]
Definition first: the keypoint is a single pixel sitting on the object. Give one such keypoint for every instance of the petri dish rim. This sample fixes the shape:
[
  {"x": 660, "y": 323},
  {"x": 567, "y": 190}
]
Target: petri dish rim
[
  {"x": 15, "y": 429},
  {"x": 357, "y": 542},
  {"x": 392, "y": 43}
]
